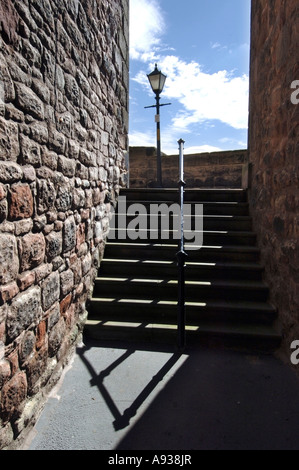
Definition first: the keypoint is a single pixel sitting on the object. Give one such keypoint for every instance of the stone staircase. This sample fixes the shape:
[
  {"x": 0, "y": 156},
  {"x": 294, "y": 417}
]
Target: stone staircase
[{"x": 135, "y": 293}]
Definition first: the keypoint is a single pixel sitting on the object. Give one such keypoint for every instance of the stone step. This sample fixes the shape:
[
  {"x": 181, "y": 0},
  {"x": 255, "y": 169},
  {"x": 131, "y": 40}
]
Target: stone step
[
  {"x": 206, "y": 222},
  {"x": 219, "y": 237},
  {"x": 194, "y": 290},
  {"x": 167, "y": 251},
  {"x": 194, "y": 270},
  {"x": 155, "y": 310},
  {"x": 209, "y": 208},
  {"x": 245, "y": 337},
  {"x": 194, "y": 195}
]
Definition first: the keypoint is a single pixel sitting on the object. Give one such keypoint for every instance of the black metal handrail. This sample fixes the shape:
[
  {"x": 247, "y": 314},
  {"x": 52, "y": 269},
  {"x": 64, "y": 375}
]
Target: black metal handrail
[{"x": 181, "y": 255}]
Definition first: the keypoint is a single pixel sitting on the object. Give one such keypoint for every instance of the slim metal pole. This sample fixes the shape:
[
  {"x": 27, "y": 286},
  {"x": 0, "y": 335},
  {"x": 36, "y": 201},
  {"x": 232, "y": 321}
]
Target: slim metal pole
[
  {"x": 181, "y": 255},
  {"x": 157, "y": 118},
  {"x": 159, "y": 162}
]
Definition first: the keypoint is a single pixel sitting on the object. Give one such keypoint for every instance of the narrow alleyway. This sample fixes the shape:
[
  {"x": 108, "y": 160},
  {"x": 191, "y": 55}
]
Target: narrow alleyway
[{"x": 114, "y": 398}]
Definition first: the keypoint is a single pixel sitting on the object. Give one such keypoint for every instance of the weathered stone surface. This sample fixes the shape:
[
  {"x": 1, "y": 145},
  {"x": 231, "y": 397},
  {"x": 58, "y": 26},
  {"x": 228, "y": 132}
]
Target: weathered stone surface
[
  {"x": 3, "y": 210},
  {"x": 29, "y": 173},
  {"x": 35, "y": 367},
  {"x": 13, "y": 394},
  {"x": 5, "y": 372},
  {"x": 46, "y": 195},
  {"x": 9, "y": 21},
  {"x": 66, "y": 282},
  {"x": 25, "y": 310},
  {"x": 8, "y": 292},
  {"x": 54, "y": 245},
  {"x": 56, "y": 337},
  {"x": 53, "y": 315},
  {"x": 27, "y": 346},
  {"x": 86, "y": 264},
  {"x": 78, "y": 198},
  {"x": 72, "y": 89},
  {"x": 63, "y": 90},
  {"x": 69, "y": 238},
  {"x": 30, "y": 152},
  {"x": 26, "y": 280},
  {"x": 41, "y": 90},
  {"x": 41, "y": 335},
  {"x": 80, "y": 235},
  {"x": 77, "y": 270},
  {"x": 64, "y": 197},
  {"x": 66, "y": 166},
  {"x": 42, "y": 271},
  {"x": 32, "y": 250},
  {"x": 65, "y": 304},
  {"x": 273, "y": 143},
  {"x": 10, "y": 172},
  {"x": 56, "y": 141},
  {"x": 50, "y": 290},
  {"x": 8, "y": 90},
  {"x": 6, "y": 436},
  {"x": 21, "y": 202},
  {"x": 87, "y": 158},
  {"x": 29, "y": 101},
  {"x": 73, "y": 149},
  {"x": 9, "y": 259},
  {"x": 49, "y": 159},
  {"x": 2, "y": 192},
  {"x": 9, "y": 143}
]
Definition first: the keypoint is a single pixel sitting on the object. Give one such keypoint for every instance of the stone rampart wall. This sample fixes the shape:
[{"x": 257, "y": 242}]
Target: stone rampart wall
[
  {"x": 63, "y": 139},
  {"x": 227, "y": 169}
]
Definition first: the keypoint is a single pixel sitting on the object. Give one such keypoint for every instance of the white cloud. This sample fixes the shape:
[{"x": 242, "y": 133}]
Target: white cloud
[
  {"x": 218, "y": 96},
  {"x": 142, "y": 139},
  {"x": 169, "y": 139},
  {"x": 169, "y": 142},
  {"x": 204, "y": 97},
  {"x": 146, "y": 29},
  {"x": 218, "y": 46}
]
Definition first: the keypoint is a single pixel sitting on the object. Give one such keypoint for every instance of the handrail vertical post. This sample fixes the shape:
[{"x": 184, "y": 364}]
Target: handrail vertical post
[{"x": 181, "y": 255}]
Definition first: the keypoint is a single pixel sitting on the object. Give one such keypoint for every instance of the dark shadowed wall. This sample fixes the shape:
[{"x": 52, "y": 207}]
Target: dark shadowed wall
[{"x": 274, "y": 151}]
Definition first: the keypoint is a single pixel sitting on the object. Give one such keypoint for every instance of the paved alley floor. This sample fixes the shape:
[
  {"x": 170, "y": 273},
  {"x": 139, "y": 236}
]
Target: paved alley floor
[{"x": 115, "y": 397}]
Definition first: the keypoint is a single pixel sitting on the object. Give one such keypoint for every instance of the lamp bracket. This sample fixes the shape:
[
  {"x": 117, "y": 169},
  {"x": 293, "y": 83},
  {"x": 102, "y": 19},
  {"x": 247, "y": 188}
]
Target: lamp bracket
[{"x": 154, "y": 105}]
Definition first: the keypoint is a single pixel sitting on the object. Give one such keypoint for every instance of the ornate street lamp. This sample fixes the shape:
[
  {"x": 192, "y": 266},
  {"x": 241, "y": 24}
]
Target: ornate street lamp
[{"x": 157, "y": 81}]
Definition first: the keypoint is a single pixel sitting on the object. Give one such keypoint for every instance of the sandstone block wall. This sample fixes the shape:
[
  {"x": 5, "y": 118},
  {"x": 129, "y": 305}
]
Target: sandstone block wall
[
  {"x": 226, "y": 169},
  {"x": 274, "y": 152},
  {"x": 63, "y": 139}
]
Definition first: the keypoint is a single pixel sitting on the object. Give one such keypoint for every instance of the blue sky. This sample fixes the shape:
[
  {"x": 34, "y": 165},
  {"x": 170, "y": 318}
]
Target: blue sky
[{"x": 203, "y": 48}]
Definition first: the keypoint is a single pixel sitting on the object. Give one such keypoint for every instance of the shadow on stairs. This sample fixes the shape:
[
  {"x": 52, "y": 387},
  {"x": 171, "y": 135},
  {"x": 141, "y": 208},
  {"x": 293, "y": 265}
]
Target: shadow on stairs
[{"x": 135, "y": 292}]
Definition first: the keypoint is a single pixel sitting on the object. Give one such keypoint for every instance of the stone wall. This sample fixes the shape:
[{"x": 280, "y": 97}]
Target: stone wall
[
  {"x": 63, "y": 139},
  {"x": 274, "y": 152},
  {"x": 205, "y": 170}
]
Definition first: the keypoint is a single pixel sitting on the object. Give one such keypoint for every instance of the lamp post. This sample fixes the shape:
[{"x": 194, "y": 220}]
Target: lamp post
[{"x": 157, "y": 81}]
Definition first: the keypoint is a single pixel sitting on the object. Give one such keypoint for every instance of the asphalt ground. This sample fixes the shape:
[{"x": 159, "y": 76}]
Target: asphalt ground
[{"x": 119, "y": 398}]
